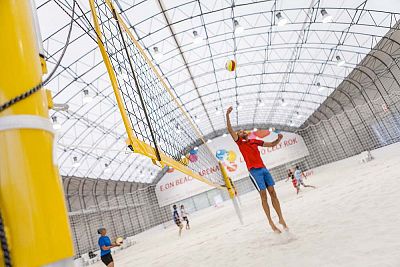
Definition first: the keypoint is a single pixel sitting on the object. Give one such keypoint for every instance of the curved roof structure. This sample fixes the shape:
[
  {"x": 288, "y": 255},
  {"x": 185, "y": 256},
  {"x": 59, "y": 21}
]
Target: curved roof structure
[{"x": 290, "y": 55}]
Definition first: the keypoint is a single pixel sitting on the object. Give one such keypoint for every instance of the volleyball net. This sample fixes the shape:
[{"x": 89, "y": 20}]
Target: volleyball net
[{"x": 156, "y": 123}]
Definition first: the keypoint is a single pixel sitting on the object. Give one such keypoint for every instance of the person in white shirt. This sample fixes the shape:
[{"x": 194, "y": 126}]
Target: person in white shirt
[
  {"x": 184, "y": 216},
  {"x": 298, "y": 174}
]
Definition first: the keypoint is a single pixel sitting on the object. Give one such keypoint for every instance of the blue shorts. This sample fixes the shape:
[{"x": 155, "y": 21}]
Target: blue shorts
[{"x": 261, "y": 178}]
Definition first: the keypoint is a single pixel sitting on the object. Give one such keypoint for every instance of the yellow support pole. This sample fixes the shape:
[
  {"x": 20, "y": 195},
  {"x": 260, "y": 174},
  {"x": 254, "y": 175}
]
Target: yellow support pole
[
  {"x": 229, "y": 187},
  {"x": 31, "y": 196},
  {"x": 231, "y": 192}
]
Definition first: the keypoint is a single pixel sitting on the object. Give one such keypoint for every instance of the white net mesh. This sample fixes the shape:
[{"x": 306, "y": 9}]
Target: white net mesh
[{"x": 365, "y": 127}]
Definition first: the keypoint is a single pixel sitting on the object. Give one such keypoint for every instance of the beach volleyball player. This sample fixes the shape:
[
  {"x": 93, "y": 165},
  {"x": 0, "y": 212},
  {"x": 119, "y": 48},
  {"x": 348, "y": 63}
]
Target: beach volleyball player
[
  {"x": 259, "y": 174},
  {"x": 105, "y": 245}
]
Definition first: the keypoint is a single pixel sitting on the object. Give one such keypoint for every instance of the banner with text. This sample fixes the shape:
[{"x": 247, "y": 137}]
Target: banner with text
[{"x": 175, "y": 186}]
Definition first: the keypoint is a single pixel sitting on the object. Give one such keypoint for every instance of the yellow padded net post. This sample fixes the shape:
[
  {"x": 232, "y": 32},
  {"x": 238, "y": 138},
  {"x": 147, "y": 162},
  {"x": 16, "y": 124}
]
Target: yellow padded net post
[
  {"x": 231, "y": 192},
  {"x": 32, "y": 208},
  {"x": 228, "y": 184}
]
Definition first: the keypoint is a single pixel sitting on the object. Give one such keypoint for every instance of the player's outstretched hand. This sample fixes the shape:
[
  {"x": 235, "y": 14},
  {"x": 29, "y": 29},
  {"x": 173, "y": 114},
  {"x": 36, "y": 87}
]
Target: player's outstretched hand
[
  {"x": 229, "y": 110},
  {"x": 280, "y": 136}
]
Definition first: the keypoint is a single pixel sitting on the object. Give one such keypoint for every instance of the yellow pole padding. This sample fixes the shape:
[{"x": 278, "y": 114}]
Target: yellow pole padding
[
  {"x": 31, "y": 195},
  {"x": 227, "y": 181}
]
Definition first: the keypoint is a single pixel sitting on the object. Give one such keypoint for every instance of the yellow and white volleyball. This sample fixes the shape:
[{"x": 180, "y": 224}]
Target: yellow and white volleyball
[
  {"x": 119, "y": 240},
  {"x": 185, "y": 161},
  {"x": 230, "y": 65},
  {"x": 231, "y": 156}
]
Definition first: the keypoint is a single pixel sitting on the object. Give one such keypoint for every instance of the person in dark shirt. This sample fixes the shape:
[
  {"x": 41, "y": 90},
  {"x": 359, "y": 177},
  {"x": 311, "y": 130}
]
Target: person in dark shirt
[
  {"x": 105, "y": 247},
  {"x": 177, "y": 219}
]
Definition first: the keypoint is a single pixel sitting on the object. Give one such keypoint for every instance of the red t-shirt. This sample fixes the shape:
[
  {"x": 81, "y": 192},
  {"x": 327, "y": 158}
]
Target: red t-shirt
[{"x": 250, "y": 152}]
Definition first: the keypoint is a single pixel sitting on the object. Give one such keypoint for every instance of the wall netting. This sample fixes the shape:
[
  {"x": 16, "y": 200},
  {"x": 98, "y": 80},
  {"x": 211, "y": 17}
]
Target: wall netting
[
  {"x": 206, "y": 199},
  {"x": 365, "y": 127},
  {"x": 125, "y": 209}
]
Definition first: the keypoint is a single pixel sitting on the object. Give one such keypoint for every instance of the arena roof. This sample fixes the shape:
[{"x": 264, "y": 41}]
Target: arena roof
[{"x": 290, "y": 55}]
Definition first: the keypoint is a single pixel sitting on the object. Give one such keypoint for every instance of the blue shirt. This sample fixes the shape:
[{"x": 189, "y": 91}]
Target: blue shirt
[
  {"x": 104, "y": 241},
  {"x": 176, "y": 215}
]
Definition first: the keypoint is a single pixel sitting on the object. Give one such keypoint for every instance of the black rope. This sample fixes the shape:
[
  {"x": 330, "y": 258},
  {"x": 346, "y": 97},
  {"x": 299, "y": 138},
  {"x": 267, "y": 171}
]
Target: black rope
[
  {"x": 137, "y": 86},
  {"x": 4, "y": 245},
  {"x": 65, "y": 46},
  {"x": 20, "y": 97},
  {"x": 39, "y": 86}
]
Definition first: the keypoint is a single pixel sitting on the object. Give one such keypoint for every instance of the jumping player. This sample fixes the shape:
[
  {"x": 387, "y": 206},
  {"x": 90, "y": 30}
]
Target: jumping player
[
  {"x": 259, "y": 174},
  {"x": 294, "y": 181},
  {"x": 298, "y": 174},
  {"x": 177, "y": 219},
  {"x": 184, "y": 215}
]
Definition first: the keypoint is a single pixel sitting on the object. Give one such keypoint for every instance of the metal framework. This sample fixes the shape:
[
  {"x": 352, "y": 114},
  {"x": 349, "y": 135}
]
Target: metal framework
[{"x": 274, "y": 62}]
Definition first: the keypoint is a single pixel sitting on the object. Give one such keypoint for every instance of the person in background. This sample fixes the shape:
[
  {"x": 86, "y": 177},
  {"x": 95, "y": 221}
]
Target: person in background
[
  {"x": 298, "y": 174},
  {"x": 105, "y": 247},
  {"x": 177, "y": 219},
  {"x": 184, "y": 215},
  {"x": 294, "y": 181}
]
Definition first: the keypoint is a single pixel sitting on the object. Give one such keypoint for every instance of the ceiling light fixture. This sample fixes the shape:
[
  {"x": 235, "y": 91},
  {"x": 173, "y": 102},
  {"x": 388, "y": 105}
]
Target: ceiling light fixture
[
  {"x": 123, "y": 74},
  {"x": 339, "y": 61},
  {"x": 239, "y": 29},
  {"x": 197, "y": 39},
  {"x": 158, "y": 56},
  {"x": 107, "y": 168},
  {"x": 178, "y": 129},
  {"x": 86, "y": 96},
  {"x": 56, "y": 124},
  {"x": 321, "y": 88},
  {"x": 281, "y": 20},
  {"x": 76, "y": 163},
  {"x": 326, "y": 18}
]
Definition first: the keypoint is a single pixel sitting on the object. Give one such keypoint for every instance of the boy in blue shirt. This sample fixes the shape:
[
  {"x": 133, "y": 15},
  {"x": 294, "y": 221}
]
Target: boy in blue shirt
[{"x": 105, "y": 247}]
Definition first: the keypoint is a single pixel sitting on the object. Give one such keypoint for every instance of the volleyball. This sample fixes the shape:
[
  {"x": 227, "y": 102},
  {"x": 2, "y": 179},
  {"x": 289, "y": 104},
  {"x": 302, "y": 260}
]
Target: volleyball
[
  {"x": 230, "y": 65},
  {"x": 185, "y": 161},
  {"x": 231, "y": 156},
  {"x": 119, "y": 240}
]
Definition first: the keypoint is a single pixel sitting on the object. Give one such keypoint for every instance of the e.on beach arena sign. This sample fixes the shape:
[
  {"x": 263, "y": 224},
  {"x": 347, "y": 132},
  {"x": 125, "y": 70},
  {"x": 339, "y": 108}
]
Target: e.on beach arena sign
[{"x": 175, "y": 186}]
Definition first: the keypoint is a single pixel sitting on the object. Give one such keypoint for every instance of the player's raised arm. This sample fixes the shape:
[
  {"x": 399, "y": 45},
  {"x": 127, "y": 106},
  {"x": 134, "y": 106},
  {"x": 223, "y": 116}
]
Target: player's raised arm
[
  {"x": 229, "y": 126},
  {"x": 274, "y": 143}
]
